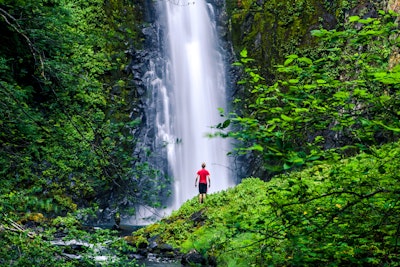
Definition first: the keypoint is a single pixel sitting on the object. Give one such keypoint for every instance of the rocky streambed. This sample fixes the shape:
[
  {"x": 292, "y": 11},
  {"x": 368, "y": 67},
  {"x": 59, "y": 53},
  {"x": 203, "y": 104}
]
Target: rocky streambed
[{"x": 153, "y": 252}]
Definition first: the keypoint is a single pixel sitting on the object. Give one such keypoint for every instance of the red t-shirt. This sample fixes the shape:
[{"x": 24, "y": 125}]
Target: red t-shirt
[{"x": 203, "y": 173}]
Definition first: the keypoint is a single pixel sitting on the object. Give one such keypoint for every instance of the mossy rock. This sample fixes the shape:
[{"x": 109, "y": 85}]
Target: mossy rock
[{"x": 137, "y": 241}]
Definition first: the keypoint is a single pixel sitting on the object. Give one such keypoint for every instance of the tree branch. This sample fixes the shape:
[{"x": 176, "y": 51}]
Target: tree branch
[
  {"x": 6, "y": 16},
  {"x": 15, "y": 227}
]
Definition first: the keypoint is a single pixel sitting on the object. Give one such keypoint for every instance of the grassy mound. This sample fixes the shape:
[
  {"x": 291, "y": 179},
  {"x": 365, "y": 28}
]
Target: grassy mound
[{"x": 345, "y": 213}]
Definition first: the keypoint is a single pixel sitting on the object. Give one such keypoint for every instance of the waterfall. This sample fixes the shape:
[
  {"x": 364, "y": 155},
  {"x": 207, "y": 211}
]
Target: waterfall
[
  {"x": 197, "y": 85},
  {"x": 187, "y": 87}
]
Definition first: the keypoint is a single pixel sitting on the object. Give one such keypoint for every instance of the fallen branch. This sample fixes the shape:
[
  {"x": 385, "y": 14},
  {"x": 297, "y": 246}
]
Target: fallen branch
[{"x": 15, "y": 227}]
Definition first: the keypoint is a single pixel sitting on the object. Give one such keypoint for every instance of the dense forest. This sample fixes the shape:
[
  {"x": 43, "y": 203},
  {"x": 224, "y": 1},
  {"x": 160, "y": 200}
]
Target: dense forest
[
  {"x": 69, "y": 115},
  {"x": 315, "y": 119}
]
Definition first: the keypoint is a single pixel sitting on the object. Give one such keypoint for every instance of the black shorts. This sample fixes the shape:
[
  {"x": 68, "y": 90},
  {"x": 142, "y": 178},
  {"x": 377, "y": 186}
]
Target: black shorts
[{"x": 202, "y": 188}]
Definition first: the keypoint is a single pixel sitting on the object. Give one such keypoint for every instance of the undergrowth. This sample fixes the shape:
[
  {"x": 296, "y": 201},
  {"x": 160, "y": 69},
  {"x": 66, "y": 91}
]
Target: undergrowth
[{"x": 343, "y": 213}]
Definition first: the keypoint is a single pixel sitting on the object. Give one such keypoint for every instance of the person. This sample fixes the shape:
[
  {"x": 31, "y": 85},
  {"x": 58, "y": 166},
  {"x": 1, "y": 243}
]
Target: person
[{"x": 203, "y": 176}]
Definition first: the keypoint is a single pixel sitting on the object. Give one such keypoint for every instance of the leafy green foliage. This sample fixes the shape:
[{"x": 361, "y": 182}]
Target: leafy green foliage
[
  {"x": 67, "y": 125},
  {"x": 329, "y": 110},
  {"x": 23, "y": 246},
  {"x": 334, "y": 102},
  {"x": 66, "y": 129},
  {"x": 343, "y": 213}
]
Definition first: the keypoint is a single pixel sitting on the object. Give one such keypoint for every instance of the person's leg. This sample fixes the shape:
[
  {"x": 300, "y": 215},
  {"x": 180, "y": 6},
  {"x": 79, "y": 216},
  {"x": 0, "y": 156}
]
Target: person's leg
[
  {"x": 202, "y": 191},
  {"x": 203, "y": 198}
]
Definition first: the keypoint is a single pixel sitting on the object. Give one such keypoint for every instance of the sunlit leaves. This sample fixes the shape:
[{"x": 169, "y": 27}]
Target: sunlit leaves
[
  {"x": 334, "y": 213},
  {"x": 343, "y": 92}
]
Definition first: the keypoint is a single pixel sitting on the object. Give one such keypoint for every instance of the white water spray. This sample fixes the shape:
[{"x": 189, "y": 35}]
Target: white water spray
[
  {"x": 187, "y": 88},
  {"x": 197, "y": 88}
]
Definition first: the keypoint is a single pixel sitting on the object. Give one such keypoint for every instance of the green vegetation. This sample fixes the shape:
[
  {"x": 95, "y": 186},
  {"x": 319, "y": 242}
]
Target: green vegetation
[
  {"x": 343, "y": 213},
  {"x": 325, "y": 134},
  {"x": 335, "y": 101},
  {"x": 33, "y": 247},
  {"x": 66, "y": 130},
  {"x": 67, "y": 120},
  {"x": 322, "y": 125},
  {"x": 270, "y": 30}
]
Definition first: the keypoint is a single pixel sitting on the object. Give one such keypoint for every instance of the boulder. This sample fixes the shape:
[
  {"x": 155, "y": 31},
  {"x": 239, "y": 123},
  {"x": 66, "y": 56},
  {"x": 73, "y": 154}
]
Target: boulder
[{"x": 194, "y": 258}]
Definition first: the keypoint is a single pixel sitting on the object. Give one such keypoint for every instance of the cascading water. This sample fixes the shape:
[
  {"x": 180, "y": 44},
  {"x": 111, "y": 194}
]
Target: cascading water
[
  {"x": 197, "y": 84},
  {"x": 188, "y": 86}
]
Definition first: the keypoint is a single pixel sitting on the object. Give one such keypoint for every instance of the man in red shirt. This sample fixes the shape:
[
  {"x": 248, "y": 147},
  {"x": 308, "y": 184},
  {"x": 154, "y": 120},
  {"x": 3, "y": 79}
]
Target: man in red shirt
[{"x": 202, "y": 176}]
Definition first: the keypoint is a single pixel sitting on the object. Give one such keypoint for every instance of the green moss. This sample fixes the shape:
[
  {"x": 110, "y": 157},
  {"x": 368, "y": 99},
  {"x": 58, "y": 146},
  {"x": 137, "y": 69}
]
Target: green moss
[{"x": 278, "y": 28}]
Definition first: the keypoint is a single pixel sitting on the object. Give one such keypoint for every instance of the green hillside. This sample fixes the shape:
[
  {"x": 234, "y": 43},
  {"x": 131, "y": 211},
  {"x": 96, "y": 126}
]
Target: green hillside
[{"x": 342, "y": 213}]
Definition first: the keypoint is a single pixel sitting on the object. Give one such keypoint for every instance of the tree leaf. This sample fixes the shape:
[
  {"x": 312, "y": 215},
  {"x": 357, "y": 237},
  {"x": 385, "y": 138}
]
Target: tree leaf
[{"x": 354, "y": 18}]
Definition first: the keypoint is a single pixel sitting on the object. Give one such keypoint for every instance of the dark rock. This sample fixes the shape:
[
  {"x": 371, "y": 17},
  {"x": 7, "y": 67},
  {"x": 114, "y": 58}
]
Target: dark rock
[
  {"x": 142, "y": 245},
  {"x": 142, "y": 251},
  {"x": 136, "y": 256},
  {"x": 153, "y": 245},
  {"x": 198, "y": 217},
  {"x": 193, "y": 258},
  {"x": 169, "y": 255},
  {"x": 153, "y": 241},
  {"x": 116, "y": 227},
  {"x": 59, "y": 234},
  {"x": 165, "y": 247}
]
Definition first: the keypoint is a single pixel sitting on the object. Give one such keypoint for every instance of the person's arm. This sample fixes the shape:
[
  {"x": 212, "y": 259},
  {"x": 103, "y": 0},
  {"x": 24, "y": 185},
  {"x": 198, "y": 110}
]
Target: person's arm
[
  {"x": 195, "y": 182},
  {"x": 209, "y": 180}
]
